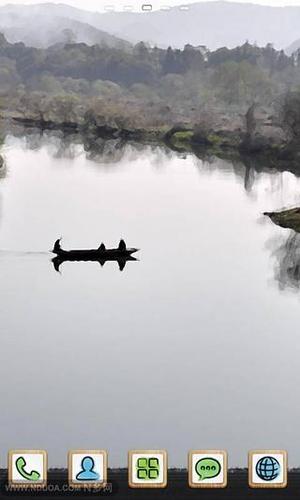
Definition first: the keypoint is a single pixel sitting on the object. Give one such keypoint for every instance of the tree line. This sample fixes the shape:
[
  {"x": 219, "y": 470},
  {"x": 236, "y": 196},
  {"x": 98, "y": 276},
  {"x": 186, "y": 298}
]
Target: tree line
[{"x": 149, "y": 83}]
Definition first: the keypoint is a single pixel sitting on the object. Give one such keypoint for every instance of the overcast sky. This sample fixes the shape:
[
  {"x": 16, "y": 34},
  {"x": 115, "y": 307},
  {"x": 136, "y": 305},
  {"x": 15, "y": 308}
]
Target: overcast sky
[{"x": 100, "y": 5}]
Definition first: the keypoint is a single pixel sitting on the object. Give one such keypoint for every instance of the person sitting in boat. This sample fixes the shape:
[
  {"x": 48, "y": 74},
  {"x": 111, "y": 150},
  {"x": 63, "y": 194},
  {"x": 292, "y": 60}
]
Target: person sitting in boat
[
  {"x": 122, "y": 246},
  {"x": 102, "y": 248},
  {"x": 57, "y": 247}
]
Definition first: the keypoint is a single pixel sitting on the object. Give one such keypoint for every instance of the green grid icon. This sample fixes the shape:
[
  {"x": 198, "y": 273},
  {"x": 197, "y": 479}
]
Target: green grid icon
[{"x": 147, "y": 468}]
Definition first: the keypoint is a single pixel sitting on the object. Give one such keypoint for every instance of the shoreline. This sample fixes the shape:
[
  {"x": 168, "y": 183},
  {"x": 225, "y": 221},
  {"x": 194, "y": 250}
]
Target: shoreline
[
  {"x": 228, "y": 145},
  {"x": 182, "y": 136}
]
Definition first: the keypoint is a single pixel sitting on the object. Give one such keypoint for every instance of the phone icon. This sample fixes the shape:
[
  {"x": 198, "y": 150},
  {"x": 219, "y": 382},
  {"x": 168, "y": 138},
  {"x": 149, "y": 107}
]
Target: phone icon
[{"x": 30, "y": 476}]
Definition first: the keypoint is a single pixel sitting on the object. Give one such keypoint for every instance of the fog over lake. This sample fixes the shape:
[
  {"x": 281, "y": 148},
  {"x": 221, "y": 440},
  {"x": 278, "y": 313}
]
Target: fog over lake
[{"x": 196, "y": 345}]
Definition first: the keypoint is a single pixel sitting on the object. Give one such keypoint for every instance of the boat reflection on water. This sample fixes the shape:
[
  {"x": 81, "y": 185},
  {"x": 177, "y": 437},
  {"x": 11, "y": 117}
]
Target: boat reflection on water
[{"x": 57, "y": 261}]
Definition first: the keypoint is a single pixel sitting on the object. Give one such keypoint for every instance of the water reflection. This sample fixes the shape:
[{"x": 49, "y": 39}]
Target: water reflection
[
  {"x": 286, "y": 252},
  {"x": 58, "y": 261},
  {"x": 2, "y": 169},
  {"x": 3, "y": 173},
  {"x": 112, "y": 151},
  {"x": 197, "y": 313},
  {"x": 69, "y": 145},
  {"x": 2, "y": 159}
]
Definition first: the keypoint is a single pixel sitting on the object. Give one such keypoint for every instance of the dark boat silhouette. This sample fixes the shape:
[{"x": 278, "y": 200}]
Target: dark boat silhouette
[{"x": 121, "y": 254}]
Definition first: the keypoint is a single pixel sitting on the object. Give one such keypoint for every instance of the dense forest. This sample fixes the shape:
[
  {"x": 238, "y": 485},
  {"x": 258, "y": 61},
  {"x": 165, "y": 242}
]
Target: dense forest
[{"x": 148, "y": 87}]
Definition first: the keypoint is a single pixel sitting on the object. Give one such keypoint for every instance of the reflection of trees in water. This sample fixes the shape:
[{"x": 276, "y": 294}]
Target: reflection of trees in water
[
  {"x": 253, "y": 168},
  {"x": 242, "y": 168},
  {"x": 2, "y": 175},
  {"x": 67, "y": 144},
  {"x": 104, "y": 150},
  {"x": 2, "y": 161},
  {"x": 57, "y": 144},
  {"x": 60, "y": 144},
  {"x": 249, "y": 174},
  {"x": 70, "y": 145},
  {"x": 2, "y": 167},
  {"x": 248, "y": 168},
  {"x": 287, "y": 267}
]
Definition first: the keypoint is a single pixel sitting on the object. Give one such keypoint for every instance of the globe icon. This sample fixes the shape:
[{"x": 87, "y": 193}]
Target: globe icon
[{"x": 268, "y": 468}]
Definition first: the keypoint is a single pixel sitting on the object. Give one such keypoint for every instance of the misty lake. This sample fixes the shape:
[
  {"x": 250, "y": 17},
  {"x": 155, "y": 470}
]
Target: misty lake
[{"x": 196, "y": 345}]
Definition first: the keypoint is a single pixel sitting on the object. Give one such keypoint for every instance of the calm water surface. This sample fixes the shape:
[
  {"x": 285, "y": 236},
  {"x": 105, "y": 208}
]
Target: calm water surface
[{"x": 195, "y": 346}]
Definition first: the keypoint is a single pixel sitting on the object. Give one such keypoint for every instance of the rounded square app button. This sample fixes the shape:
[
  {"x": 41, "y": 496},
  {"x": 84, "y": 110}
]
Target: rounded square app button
[
  {"x": 27, "y": 468},
  {"x": 207, "y": 469},
  {"x": 147, "y": 468},
  {"x": 267, "y": 469},
  {"x": 87, "y": 468}
]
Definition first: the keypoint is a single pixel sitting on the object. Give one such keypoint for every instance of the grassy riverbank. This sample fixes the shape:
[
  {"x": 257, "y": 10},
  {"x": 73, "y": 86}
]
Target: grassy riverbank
[
  {"x": 267, "y": 146},
  {"x": 289, "y": 219}
]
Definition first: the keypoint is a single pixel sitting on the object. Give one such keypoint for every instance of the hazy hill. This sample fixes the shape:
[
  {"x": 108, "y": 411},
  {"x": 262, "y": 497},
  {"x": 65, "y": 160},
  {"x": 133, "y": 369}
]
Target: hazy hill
[
  {"x": 214, "y": 24},
  {"x": 293, "y": 47},
  {"x": 42, "y": 26}
]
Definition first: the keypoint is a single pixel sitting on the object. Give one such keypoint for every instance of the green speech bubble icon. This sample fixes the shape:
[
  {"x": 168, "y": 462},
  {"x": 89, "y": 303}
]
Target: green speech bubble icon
[{"x": 207, "y": 468}]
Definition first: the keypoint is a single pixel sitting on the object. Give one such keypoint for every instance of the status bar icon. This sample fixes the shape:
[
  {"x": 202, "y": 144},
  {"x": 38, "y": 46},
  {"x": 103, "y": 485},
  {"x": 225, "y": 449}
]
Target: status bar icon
[
  {"x": 147, "y": 7},
  {"x": 109, "y": 8}
]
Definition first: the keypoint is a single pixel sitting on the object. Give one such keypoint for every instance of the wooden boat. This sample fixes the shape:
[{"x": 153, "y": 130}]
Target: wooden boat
[
  {"x": 122, "y": 254},
  {"x": 97, "y": 253}
]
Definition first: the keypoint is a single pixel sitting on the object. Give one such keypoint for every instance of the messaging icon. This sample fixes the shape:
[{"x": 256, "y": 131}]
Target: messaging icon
[{"x": 207, "y": 469}]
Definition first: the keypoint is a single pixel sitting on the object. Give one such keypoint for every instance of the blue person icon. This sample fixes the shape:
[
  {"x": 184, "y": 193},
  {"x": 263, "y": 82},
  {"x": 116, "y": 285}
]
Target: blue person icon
[{"x": 87, "y": 473}]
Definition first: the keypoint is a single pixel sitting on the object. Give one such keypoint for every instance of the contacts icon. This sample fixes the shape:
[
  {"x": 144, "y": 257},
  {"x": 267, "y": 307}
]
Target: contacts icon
[
  {"x": 87, "y": 468},
  {"x": 88, "y": 472}
]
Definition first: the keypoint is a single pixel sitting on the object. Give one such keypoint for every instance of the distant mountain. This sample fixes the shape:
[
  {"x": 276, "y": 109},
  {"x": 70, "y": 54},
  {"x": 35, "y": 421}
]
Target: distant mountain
[
  {"x": 43, "y": 26},
  {"x": 214, "y": 24},
  {"x": 293, "y": 47}
]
